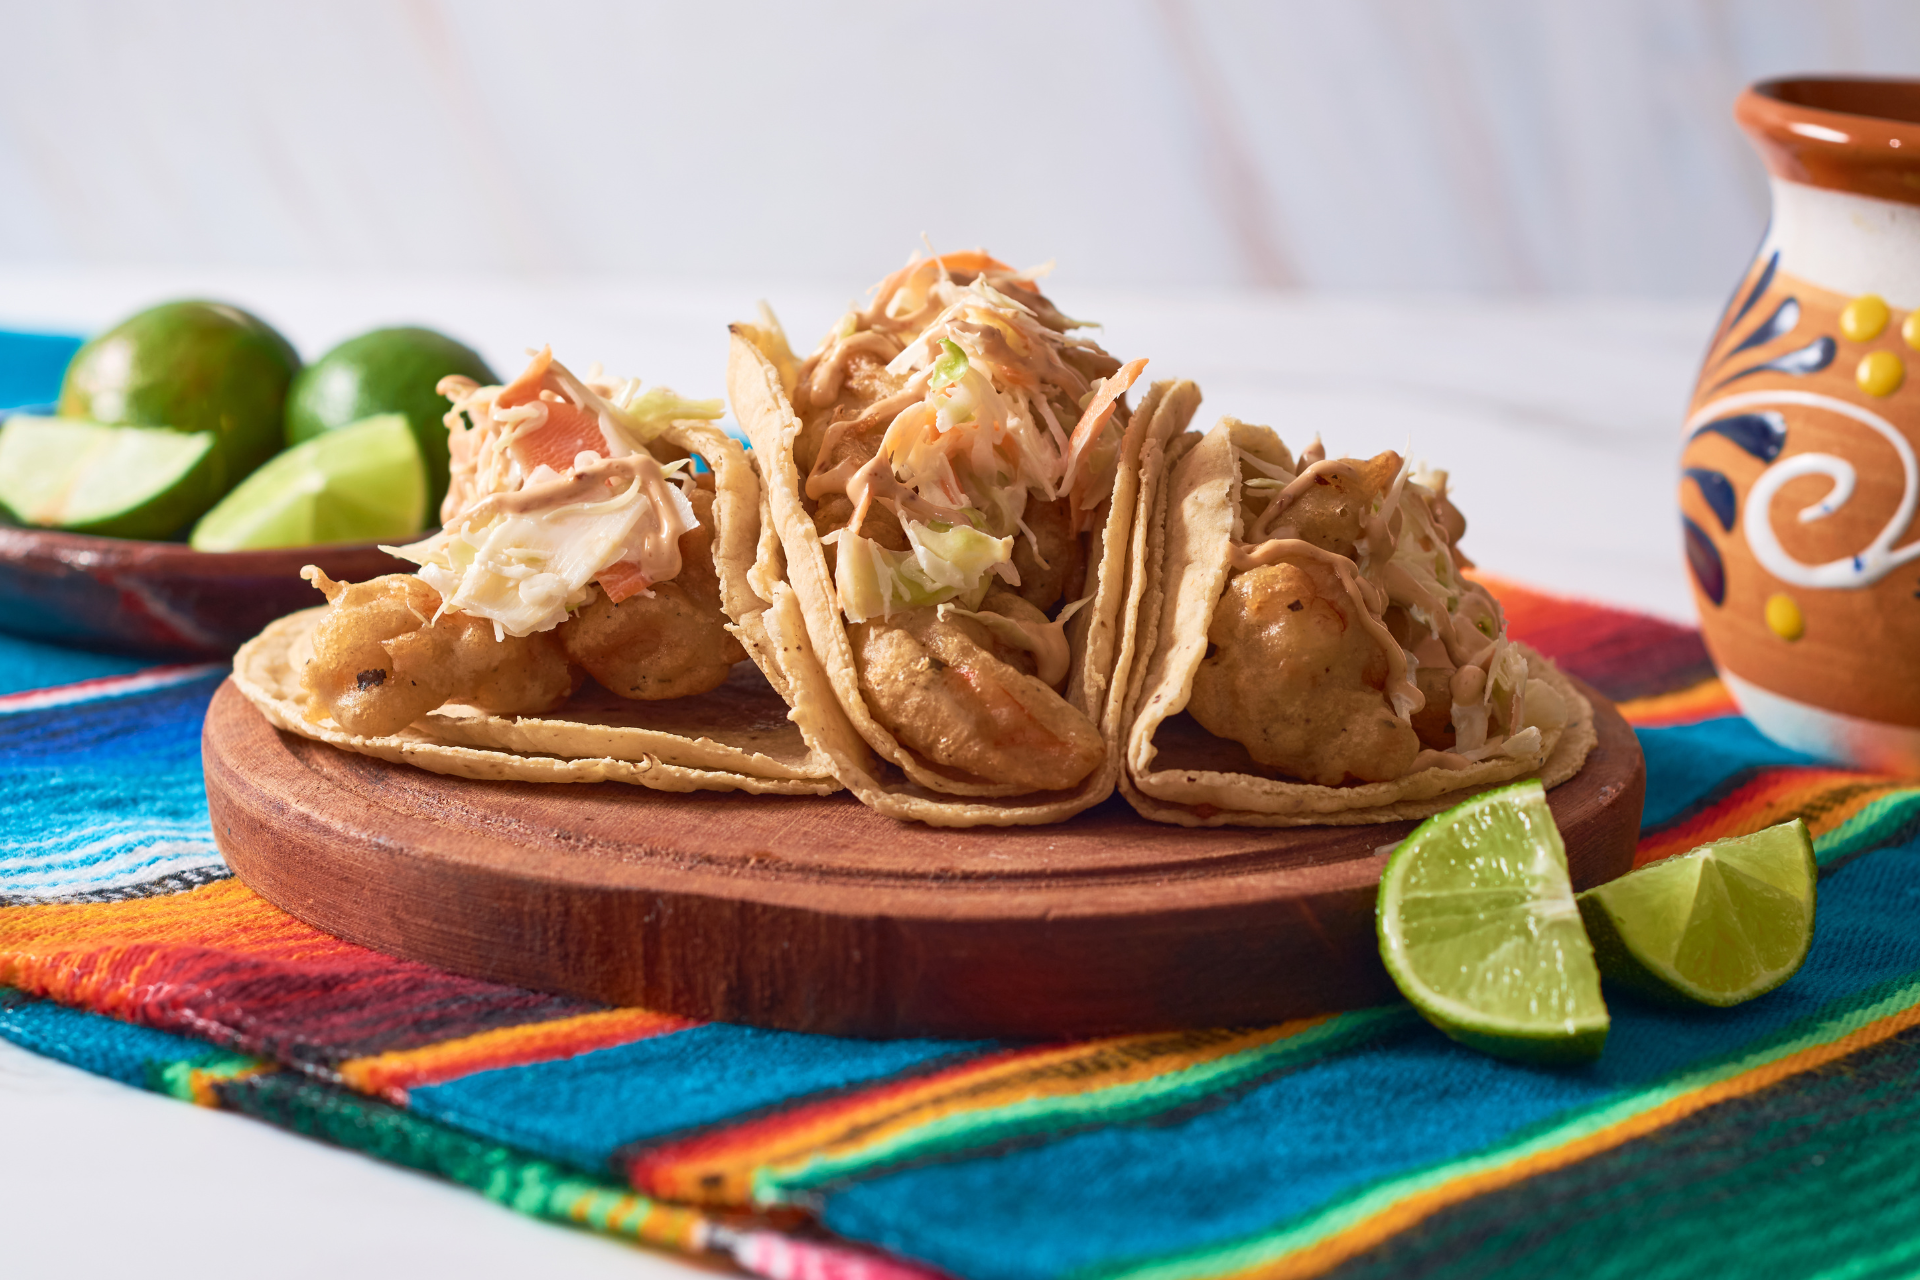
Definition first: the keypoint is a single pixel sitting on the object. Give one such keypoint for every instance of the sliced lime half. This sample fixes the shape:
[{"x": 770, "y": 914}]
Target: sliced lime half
[
  {"x": 362, "y": 483},
  {"x": 1723, "y": 924},
  {"x": 124, "y": 482},
  {"x": 1479, "y": 929}
]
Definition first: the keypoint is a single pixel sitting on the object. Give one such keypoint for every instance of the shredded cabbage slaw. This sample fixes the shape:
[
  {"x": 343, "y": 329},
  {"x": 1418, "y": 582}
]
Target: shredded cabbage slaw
[
  {"x": 523, "y": 537},
  {"x": 977, "y": 433}
]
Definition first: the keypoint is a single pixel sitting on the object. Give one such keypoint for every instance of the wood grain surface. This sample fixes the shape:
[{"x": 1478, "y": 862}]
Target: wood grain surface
[{"x": 819, "y": 915}]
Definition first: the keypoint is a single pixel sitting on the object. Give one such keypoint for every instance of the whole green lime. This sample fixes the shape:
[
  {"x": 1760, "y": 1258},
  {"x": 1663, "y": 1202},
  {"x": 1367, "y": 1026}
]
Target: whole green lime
[
  {"x": 191, "y": 366},
  {"x": 386, "y": 371}
]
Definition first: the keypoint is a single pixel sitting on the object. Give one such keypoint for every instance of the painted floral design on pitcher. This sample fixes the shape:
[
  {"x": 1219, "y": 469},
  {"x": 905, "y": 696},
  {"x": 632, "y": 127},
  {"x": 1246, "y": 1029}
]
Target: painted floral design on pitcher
[{"x": 1799, "y": 480}]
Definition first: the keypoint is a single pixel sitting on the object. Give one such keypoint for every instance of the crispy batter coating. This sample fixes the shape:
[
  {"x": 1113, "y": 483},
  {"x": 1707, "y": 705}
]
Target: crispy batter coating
[
  {"x": 380, "y": 662},
  {"x": 867, "y": 382},
  {"x": 1060, "y": 547},
  {"x": 1434, "y": 721},
  {"x": 1002, "y": 599},
  {"x": 939, "y": 689},
  {"x": 1297, "y": 680},
  {"x": 669, "y": 642},
  {"x": 1433, "y": 676},
  {"x": 1332, "y": 513}
]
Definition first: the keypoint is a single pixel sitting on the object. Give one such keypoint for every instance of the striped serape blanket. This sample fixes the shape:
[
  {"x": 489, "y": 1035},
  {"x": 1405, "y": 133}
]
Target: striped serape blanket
[{"x": 1778, "y": 1138}]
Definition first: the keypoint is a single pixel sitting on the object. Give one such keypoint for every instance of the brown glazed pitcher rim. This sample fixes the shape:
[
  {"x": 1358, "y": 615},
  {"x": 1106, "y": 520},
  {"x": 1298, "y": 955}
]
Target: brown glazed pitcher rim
[{"x": 1856, "y": 134}]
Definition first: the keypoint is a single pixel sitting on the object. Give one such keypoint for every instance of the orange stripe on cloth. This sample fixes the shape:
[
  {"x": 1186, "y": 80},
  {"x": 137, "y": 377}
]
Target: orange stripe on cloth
[
  {"x": 720, "y": 1168},
  {"x": 1523, "y": 605},
  {"x": 225, "y": 914},
  {"x": 1707, "y": 700},
  {"x": 390, "y": 1075},
  {"x": 105, "y": 956},
  {"x": 1825, "y": 798},
  {"x": 1323, "y": 1255}
]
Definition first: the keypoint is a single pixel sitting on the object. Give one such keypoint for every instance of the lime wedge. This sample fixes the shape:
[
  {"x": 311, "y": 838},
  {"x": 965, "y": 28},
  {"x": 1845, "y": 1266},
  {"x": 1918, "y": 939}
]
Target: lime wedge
[
  {"x": 1479, "y": 929},
  {"x": 1723, "y": 924},
  {"x": 363, "y": 483},
  {"x": 124, "y": 482}
]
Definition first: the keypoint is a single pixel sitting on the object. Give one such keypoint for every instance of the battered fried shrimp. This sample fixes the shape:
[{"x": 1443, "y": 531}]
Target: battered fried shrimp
[
  {"x": 1297, "y": 680},
  {"x": 1003, "y": 600},
  {"x": 380, "y": 663},
  {"x": 1433, "y": 676},
  {"x": 1060, "y": 547},
  {"x": 1433, "y": 722},
  {"x": 941, "y": 691},
  {"x": 509, "y": 676},
  {"x": 669, "y": 642},
  {"x": 1332, "y": 512}
]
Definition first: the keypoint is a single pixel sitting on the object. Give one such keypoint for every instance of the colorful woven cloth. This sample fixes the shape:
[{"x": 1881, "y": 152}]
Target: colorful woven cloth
[
  {"x": 1774, "y": 1139},
  {"x": 1777, "y": 1138}
]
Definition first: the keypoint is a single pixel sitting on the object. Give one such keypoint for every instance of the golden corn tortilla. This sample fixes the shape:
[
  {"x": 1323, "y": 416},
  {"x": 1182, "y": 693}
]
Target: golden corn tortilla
[
  {"x": 808, "y": 633},
  {"x": 1177, "y": 772},
  {"x": 734, "y": 738}
]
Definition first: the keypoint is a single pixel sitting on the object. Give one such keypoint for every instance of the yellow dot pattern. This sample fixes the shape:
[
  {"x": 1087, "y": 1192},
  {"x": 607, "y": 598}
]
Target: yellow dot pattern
[
  {"x": 1880, "y": 373},
  {"x": 1865, "y": 318},
  {"x": 1784, "y": 618},
  {"x": 1910, "y": 329}
]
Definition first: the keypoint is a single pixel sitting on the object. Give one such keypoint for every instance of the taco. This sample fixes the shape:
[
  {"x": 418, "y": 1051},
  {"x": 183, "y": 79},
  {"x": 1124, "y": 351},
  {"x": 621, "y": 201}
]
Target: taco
[
  {"x": 584, "y": 614},
  {"x": 953, "y": 475},
  {"x": 1318, "y": 655}
]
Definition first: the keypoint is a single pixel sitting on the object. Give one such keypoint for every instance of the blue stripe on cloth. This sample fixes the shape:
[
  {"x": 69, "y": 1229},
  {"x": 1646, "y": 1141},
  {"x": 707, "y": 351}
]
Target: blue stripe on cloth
[
  {"x": 118, "y": 1050},
  {"x": 28, "y": 664},
  {"x": 1289, "y": 1149},
  {"x": 104, "y": 794},
  {"x": 31, "y": 367},
  {"x": 583, "y": 1109},
  {"x": 1688, "y": 763}
]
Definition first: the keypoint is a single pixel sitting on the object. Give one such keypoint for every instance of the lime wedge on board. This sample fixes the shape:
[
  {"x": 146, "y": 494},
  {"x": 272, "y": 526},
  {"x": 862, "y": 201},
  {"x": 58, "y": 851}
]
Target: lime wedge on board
[
  {"x": 123, "y": 482},
  {"x": 1479, "y": 928},
  {"x": 362, "y": 483},
  {"x": 1723, "y": 924}
]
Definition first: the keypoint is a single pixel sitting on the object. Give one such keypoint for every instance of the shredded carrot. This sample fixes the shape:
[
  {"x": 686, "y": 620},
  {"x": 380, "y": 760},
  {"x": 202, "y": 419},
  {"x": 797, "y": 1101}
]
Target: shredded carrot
[
  {"x": 525, "y": 389},
  {"x": 622, "y": 579},
  {"x": 972, "y": 260},
  {"x": 568, "y": 431},
  {"x": 1098, "y": 413}
]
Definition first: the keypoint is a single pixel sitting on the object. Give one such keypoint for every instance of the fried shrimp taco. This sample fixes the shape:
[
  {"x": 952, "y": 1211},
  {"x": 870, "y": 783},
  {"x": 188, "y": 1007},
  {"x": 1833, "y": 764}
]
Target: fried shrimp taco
[
  {"x": 1317, "y": 655},
  {"x": 580, "y": 617},
  {"x": 953, "y": 474}
]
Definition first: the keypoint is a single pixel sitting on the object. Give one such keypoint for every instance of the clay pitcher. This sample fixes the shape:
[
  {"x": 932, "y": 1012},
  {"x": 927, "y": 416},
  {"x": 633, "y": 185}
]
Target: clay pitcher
[{"x": 1799, "y": 480}]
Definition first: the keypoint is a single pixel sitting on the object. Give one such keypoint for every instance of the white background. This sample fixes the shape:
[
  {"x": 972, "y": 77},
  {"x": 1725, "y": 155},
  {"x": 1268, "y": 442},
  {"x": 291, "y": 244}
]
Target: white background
[
  {"x": 1498, "y": 231},
  {"x": 1531, "y": 146}
]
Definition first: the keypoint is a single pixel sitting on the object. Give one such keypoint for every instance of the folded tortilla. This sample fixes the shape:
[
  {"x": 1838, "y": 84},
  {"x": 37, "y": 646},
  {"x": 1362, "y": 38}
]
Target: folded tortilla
[
  {"x": 808, "y": 632},
  {"x": 1176, "y": 771},
  {"x": 737, "y": 737}
]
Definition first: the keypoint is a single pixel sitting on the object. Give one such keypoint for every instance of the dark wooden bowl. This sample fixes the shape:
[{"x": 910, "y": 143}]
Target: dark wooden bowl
[{"x": 159, "y": 599}]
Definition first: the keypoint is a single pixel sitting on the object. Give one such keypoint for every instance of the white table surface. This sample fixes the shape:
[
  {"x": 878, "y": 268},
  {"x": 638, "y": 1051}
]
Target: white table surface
[{"x": 1559, "y": 422}]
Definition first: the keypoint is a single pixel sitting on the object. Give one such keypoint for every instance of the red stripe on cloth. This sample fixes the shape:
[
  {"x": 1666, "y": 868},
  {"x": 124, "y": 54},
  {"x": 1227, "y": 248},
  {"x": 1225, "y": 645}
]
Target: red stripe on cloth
[
  {"x": 1623, "y": 655},
  {"x": 1825, "y": 798},
  {"x": 93, "y": 690},
  {"x": 220, "y": 963}
]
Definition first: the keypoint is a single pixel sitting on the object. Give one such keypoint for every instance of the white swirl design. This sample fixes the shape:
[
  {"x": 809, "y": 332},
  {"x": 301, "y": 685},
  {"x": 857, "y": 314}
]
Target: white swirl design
[{"x": 1860, "y": 570}]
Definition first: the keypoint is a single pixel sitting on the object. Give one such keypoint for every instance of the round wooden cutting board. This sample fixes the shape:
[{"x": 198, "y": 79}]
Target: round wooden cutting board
[{"x": 819, "y": 915}]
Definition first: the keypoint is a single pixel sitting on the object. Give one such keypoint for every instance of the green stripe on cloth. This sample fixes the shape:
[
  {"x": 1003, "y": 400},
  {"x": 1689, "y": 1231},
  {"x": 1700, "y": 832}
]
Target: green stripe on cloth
[
  {"x": 538, "y": 1187},
  {"x": 1774, "y": 1183},
  {"x": 979, "y": 1132},
  {"x": 1365, "y": 1215},
  {"x": 1892, "y": 818}
]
